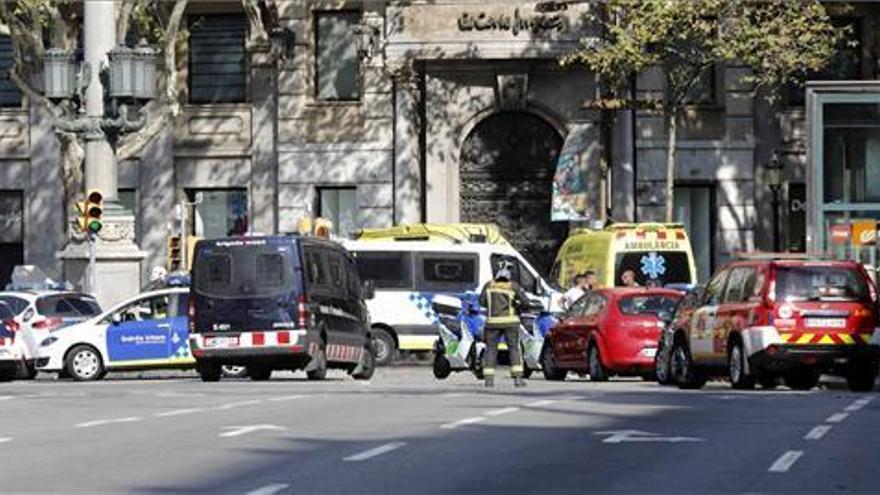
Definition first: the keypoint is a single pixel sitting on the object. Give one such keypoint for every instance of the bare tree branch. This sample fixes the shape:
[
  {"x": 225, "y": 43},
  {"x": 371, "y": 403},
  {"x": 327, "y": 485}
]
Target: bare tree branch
[{"x": 123, "y": 20}]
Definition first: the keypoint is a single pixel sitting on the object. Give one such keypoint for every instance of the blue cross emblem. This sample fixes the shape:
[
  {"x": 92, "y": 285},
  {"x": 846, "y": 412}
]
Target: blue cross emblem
[{"x": 653, "y": 265}]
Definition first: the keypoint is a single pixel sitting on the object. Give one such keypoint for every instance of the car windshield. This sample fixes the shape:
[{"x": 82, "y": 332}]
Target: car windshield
[
  {"x": 68, "y": 306},
  {"x": 659, "y": 267},
  {"x": 640, "y": 305},
  {"x": 821, "y": 283}
]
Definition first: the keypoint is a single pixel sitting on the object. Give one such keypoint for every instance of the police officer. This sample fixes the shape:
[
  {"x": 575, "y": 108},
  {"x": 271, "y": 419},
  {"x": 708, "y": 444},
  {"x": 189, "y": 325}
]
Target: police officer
[{"x": 504, "y": 300}]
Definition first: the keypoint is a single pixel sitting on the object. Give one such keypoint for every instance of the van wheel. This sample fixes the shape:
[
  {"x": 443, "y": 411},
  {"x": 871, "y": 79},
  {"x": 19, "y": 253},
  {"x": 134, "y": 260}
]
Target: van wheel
[
  {"x": 383, "y": 347},
  {"x": 320, "y": 372},
  {"x": 736, "y": 367},
  {"x": 442, "y": 369},
  {"x": 682, "y": 368},
  {"x": 861, "y": 377},
  {"x": 209, "y": 372},
  {"x": 368, "y": 366},
  {"x": 597, "y": 371},
  {"x": 548, "y": 365},
  {"x": 84, "y": 363},
  {"x": 259, "y": 374}
]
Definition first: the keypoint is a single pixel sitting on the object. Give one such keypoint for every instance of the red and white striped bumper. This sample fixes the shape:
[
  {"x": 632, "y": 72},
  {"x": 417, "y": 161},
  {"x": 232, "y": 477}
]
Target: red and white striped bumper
[{"x": 243, "y": 343}]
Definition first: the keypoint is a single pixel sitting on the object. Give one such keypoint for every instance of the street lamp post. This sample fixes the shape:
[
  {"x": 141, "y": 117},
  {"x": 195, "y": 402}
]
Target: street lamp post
[
  {"x": 101, "y": 115},
  {"x": 774, "y": 170}
]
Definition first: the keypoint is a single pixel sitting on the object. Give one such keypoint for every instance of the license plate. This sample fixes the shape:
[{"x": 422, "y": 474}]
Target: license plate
[
  {"x": 649, "y": 352},
  {"x": 825, "y": 322},
  {"x": 221, "y": 341}
]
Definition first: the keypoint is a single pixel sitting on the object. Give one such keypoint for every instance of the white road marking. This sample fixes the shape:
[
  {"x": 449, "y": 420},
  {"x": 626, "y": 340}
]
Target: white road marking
[
  {"x": 6, "y": 397},
  {"x": 101, "y": 422},
  {"x": 786, "y": 461},
  {"x": 5, "y": 439},
  {"x": 837, "y": 417},
  {"x": 235, "y": 431},
  {"x": 541, "y": 403},
  {"x": 286, "y": 397},
  {"x": 462, "y": 422},
  {"x": 268, "y": 489},
  {"x": 499, "y": 412},
  {"x": 817, "y": 432},
  {"x": 231, "y": 405},
  {"x": 178, "y": 412},
  {"x": 621, "y": 436},
  {"x": 382, "y": 449},
  {"x": 854, "y": 407}
]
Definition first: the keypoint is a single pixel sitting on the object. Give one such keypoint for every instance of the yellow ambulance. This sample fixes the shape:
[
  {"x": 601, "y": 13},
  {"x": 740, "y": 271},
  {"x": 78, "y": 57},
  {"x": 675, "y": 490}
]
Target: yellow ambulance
[
  {"x": 655, "y": 253},
  {"x": 456, "y": 233}
]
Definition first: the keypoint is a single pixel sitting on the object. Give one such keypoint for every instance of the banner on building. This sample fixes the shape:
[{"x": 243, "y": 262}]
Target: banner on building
[
  {"x": 840, "y": 233},
  {"x": 864, "y": 232},
  {"x": 570, "y": 187}
]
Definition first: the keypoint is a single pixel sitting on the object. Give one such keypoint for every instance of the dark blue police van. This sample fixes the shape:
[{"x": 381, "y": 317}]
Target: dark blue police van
[{"x": 278, "y": 302}]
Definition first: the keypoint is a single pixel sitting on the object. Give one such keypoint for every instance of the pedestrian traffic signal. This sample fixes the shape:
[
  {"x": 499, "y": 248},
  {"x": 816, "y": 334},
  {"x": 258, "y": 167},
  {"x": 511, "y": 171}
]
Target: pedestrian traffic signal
[{"x": 94, "y": 211}]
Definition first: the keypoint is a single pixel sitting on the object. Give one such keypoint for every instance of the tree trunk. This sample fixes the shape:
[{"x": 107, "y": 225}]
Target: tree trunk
[{"x": 672, "y": 137}]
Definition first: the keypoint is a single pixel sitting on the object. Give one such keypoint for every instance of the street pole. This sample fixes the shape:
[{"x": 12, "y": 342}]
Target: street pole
[
  {"x": 775, "y": 205},
  {"x": 93, "y": 268},
  {"x": 99, "y": 18}
]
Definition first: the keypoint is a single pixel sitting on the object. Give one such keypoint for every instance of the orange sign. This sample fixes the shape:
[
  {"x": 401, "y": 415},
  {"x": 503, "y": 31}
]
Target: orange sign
[
  {"x": 864, "y": 232},
  {"x": 840, "y": 234}
]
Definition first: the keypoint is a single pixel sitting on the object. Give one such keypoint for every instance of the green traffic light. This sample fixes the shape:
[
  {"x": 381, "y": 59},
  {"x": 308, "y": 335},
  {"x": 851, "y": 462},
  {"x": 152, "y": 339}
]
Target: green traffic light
[{"x": 94, "y": 226}]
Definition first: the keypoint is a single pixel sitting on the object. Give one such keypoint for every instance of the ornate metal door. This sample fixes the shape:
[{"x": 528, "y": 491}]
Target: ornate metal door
[{"x": 507, "y": 166}]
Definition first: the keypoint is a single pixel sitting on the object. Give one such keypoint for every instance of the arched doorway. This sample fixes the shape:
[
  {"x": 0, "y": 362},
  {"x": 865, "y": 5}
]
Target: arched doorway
[{"x": 507, "y": 166}]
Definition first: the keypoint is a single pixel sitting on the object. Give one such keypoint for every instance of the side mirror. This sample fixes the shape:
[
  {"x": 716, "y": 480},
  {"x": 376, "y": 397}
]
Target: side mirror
[
  {"x": 116, "y": 318},
  {"x": 369, "y": 290}
]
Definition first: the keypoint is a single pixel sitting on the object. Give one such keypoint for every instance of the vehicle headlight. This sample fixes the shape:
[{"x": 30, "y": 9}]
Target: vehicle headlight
[{"x": 48, "y": 341}]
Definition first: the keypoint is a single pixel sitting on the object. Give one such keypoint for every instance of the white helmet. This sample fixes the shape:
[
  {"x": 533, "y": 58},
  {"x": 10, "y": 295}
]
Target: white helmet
[{"x": 158, "y": 274}]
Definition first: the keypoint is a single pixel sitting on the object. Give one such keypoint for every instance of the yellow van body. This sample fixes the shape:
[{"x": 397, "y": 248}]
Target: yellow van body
[
  {"x": 456, "y": 233},
  {"x": 627, "y": 246}
]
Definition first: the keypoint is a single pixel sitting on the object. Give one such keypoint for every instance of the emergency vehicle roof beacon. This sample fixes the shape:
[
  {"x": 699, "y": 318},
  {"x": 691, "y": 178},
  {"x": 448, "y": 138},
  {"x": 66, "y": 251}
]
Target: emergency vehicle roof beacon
[{"x": 657, "y": 253}]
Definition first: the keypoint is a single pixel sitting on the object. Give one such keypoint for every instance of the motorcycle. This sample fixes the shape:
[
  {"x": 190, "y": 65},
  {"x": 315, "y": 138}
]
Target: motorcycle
[
  {"x": 460, "y": 327},
  {"x": 532, "y": 340}
]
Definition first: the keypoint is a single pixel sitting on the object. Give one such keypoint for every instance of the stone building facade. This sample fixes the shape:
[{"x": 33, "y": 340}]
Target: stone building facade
[{"x": 387, "y": 112}]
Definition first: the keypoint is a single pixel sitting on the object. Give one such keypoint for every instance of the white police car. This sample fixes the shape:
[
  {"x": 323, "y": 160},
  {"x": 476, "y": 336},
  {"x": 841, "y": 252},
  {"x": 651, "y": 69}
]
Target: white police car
[{"x": 146, "y": 332}]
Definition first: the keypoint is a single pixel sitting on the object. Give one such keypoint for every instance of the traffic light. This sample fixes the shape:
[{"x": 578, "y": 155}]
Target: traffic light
[
  {"x": 174, "y": 249},
  {"x": 81, "y": 219},
  {"x": 94, "y": 212}
]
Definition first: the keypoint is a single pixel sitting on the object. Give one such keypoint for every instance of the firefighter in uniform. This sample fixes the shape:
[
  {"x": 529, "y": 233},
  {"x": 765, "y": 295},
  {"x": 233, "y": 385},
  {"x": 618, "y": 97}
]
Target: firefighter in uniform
[{"x": 504, "y": 300}]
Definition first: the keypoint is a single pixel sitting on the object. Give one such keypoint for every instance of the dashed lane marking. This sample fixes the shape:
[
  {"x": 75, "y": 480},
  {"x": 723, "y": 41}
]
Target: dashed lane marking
[
  {"x": 499, "y": 412},
  {"x": 232, "y": 405},
  {"x": 237, "y": 431},
  {"x": 101, "y": 422},
  {"x": 837, "y": 417},
  {"x": 463, "y": 422},
  {"x": 286, "y": 398},
  {"x": 541, "y": 403},
  {"x": 817, "y": 432},
  {"x": 369, "y": 454},
  {"x": 178, "y": 412},
  {"x": 786, "y": 461},
  {"x": 5, "y": 439},
  {"x": 7, "y": 397},
  {"x": 269, "y": 489}
]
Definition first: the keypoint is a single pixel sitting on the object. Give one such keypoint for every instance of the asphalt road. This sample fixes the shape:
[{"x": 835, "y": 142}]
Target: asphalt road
[{"x": 405, "y": 432}]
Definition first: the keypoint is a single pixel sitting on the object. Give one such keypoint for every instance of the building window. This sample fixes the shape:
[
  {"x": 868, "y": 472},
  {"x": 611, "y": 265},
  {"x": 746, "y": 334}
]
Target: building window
[
  {"x": 11, "y": 233},
  {"x": 339, "y": 205},
  {"x": 846, "y": 65},
  {"x": 217, "y": 62},
  {"x": 219, "y": 212},
  {"x": 695, "y": 208},
  {"x": 704, "y": 91},
  {"x": 10, "y": 96},
  {"x": 336, "y": 60}
]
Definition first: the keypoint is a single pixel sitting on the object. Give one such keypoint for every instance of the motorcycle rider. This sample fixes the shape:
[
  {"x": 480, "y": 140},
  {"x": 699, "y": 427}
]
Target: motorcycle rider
[{"x": 504, "y": 300}]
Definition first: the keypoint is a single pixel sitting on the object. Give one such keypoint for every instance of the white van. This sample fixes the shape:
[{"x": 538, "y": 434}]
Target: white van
[{"x": 408, "y": 274}]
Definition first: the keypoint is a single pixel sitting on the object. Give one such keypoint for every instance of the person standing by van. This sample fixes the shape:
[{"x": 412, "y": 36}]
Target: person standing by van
[
  {"x": 504, "y": 300},
  {"x": 577, "y": 291}
]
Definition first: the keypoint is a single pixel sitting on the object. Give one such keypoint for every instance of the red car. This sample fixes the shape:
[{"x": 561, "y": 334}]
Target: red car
[{"x": 608, "y": 332}]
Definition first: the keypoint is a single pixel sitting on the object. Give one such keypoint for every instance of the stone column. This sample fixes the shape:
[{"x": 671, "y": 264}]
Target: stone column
[
  {"x": 99, "y": 37},
  {"x": 407, "y": 163},
  {"x": 264, "y": 132}
]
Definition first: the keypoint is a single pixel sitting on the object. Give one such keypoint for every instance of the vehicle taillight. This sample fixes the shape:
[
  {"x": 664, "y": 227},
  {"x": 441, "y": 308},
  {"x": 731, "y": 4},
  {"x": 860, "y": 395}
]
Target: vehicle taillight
[
  {"x": 48, "y": 324},
  {"x": 12, "y": 325},
  {"x": 302, "y": 312}
]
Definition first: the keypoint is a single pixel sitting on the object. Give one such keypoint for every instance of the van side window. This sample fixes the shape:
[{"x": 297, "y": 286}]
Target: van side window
[
  {"x": 335, "y": 270},
  {"x": 270, "y": 270},
  {"x": 734, "y": 291},
  {"x": 447, "y": 272},
  {"x": 315, "y": 269},
  {"x": 351, "y": 275},
  {"x": 217, "y": 271},
  {"x": 387, "y": 270}
]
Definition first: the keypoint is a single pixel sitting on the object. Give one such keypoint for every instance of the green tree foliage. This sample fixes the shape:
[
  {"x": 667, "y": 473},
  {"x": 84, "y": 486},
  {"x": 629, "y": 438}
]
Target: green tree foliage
[{"x": 781, "y": 41}]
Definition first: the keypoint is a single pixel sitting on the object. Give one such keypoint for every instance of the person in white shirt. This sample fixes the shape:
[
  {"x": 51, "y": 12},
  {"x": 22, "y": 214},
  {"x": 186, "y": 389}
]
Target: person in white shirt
[{"x": 576, "y": 292}]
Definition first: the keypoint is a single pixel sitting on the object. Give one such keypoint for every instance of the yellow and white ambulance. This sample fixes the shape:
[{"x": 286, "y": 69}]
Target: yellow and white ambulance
[{"x": 655, "y": 253}]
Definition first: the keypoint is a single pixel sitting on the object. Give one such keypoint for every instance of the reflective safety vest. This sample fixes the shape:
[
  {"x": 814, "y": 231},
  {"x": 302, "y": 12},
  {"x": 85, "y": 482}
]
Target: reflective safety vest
[{"x": 500, "y": 305}]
